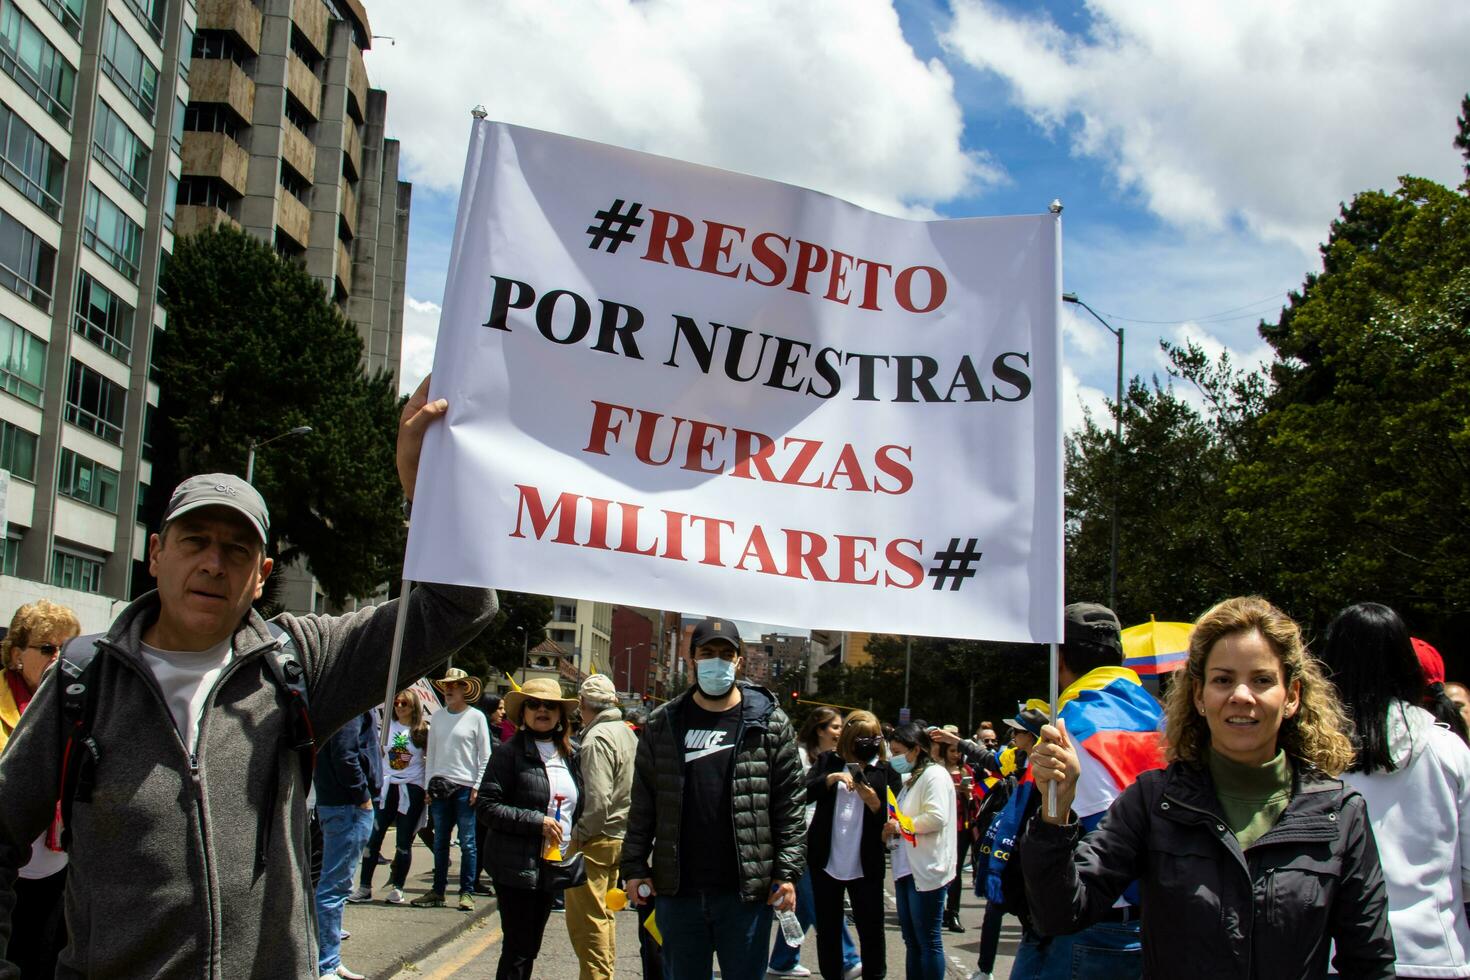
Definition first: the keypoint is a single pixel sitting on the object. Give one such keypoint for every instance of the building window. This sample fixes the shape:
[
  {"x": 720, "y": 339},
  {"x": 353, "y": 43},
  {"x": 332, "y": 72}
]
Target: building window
[
  {"x": 213, "y": 117},
  {"x": 120, "y": 151},
  {"x": 90, "y": 482},
  {"x": 22, "y": 362},
  {"x": 298, "y": 186},
  {"x": 69, "y": 13},
  {"x": 102, "y": 318},
  {"x": 170, "y": 201},
  {"x": 112, "y": 234},
  {"x": 11, "y": 560},
  {"x": 186, "y": 47},
  {"x": 29, "y": 164},
  {"x": 140, "y": 512},
  {"x": 124, "y": 62},
  {"x": 95, "y": 404},
  {"x": 220, "y": 46},
  {"x": 73, "y": 571},
  {"x": 205, "y": 192},
  {"x": 150, "y": 15},
  {"x": 297, "y": 116},
  {"x": 176, "y": 132},
  {"x": 36, "y": 66},
  {"x": 17, "y": 451},
  {"x": 27, "y": 264}
]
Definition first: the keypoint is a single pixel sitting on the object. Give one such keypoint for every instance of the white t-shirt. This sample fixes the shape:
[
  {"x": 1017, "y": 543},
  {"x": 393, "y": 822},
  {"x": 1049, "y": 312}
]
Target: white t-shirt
[
  {"x": 845, "y": 862},
  {"x": 459, "y": 746},
  {"x": 806, "y": 765},
  {"x": 187, "y": 677},
  {"x": 560, "y": 779},
  {"x": 404, "y": 761}
]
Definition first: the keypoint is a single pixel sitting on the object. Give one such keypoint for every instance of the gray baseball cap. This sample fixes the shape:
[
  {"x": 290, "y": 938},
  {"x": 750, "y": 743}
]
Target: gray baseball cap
[{"x": 220, "y": 490}]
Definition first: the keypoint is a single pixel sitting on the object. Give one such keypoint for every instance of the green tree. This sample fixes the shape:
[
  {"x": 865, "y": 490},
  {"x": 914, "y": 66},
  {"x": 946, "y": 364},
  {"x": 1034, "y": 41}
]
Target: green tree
[
  {"x": 253, "y": 348},
  {"x": 521, "y": 623}
]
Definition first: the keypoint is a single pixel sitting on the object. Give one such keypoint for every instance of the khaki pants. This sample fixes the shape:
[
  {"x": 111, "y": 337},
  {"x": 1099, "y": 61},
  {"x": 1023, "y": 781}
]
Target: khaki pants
[{"x": 589, "y": 923}]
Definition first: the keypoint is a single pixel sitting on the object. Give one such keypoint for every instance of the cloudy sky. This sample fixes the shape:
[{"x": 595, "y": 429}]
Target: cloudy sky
[{"x": 1201, "y": 148}]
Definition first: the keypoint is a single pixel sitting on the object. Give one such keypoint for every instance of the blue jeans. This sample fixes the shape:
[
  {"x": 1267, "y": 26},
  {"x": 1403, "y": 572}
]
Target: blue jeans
[
  {"x": 784, "y": 957},
  {"x": 345, "y": 832},
  {"x": 1100, "y": 952},
  {"x": 454, "y": 811},
  {"x": 921, "y": 920},
  {"x": 699, "y": 926}
]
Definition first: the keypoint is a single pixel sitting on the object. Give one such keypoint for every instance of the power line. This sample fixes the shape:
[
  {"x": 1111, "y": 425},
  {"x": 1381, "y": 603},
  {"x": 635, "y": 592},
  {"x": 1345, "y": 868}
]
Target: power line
[{"x": 1273, "y": 298}]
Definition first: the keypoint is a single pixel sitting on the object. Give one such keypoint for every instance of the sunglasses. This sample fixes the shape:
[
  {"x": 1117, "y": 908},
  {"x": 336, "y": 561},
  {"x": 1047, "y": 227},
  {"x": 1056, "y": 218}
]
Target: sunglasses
[
  {"x": 402, "y": 704},
  {"x": 531, "y": 704},
  {"x": 49, "y": 649}
]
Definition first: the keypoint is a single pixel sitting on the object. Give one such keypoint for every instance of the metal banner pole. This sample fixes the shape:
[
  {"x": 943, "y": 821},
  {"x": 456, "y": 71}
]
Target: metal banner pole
[
  {"x": 399, "y": 622},
  {"x": 1052, "y": 694}
]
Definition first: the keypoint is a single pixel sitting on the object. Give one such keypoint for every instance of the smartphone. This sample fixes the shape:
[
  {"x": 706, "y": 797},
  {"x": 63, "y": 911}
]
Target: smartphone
[{"x": 856, "y": 771}]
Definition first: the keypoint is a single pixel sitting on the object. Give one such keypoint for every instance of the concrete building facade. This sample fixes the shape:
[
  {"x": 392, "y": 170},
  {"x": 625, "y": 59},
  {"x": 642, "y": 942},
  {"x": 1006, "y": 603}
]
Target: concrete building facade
[{"x": 125, "y": 124}]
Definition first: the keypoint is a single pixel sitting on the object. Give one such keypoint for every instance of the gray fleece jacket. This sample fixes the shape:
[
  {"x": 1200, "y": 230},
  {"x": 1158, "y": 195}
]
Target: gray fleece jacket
[{"x": 164, "y": 879}]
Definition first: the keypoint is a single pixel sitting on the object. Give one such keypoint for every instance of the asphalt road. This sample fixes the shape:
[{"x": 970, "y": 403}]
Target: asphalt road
[{"x": 472, "y": 955}]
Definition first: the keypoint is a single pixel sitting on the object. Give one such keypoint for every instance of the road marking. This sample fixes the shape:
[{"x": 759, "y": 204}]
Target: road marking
[{"x": 463, "y": 959}]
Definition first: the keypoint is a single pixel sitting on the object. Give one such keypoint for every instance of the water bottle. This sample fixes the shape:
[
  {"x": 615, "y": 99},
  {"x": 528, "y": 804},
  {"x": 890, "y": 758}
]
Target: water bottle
[{"x": 791, "y": 929}]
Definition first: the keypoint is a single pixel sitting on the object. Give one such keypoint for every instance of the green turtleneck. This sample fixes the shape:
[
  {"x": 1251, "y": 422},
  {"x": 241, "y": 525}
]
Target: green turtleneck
[{"x": 1252, "y": 797}]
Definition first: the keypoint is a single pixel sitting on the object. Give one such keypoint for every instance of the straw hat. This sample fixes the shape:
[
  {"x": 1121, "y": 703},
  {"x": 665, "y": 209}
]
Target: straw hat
[
  {"x": 456, "y": 676},
  {"x": 539, "y": 689}
]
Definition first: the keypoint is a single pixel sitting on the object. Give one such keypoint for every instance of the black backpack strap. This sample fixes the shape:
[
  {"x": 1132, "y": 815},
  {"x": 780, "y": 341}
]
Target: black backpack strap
[
  {"x": 289, "y": 673},
  {"x": 79, "y": 754}
]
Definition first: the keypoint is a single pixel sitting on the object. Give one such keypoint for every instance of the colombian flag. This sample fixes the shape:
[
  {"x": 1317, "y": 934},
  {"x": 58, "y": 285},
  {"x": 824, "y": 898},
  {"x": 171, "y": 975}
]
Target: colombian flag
[
  {"x": 905, "y": 823},
  {"x": 1111, "y": 716}
]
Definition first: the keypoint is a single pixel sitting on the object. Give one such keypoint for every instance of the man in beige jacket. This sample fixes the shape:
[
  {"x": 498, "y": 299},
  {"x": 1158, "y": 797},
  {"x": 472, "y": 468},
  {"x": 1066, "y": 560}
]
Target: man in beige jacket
[{"x": 608, "y": 748}]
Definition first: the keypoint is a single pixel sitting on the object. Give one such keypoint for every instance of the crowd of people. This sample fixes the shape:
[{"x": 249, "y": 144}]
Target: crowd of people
[{"x": 168, "y": 809}]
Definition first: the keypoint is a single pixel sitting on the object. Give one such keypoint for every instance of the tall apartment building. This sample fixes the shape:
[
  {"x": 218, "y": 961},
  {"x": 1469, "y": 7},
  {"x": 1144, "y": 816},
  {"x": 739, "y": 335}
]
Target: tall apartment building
[
  {"x": 123, "y": 124},
  {"x": 585, "y": 628}
]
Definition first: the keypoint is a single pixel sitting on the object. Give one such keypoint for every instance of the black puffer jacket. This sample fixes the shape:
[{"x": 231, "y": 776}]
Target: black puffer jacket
[
  {"x": 514, "y": 797},
  {"x": 766, "y": 798},
  {"x": 1209, "y": 909}
]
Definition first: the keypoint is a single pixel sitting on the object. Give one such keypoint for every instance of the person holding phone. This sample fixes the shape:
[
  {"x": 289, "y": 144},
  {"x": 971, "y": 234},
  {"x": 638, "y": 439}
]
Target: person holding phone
[{"x": 845, "y": 848}]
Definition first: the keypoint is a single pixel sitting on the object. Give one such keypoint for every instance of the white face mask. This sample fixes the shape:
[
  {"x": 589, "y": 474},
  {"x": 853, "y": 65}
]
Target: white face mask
[{"x": 715, "y": 676}]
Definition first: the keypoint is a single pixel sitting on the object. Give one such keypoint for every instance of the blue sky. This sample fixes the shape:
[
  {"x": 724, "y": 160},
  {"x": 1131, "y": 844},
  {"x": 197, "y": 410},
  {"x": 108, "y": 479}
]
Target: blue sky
[{"x": 1200, "y": 149}]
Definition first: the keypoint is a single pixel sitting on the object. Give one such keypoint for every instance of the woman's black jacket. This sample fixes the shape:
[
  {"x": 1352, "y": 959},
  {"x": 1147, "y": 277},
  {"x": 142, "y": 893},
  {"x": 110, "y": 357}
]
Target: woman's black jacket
[
  {"x": 514, "y": 797},
  {"x": 1207, "y": 908},
  {"x": 819, "y": 836}
]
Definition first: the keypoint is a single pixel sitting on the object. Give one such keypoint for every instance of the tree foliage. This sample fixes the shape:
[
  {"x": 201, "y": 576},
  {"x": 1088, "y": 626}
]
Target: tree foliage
[
  {"x": 1340, "y": 475},
  {"x": 521, "y": 623},
  {"x": 253, "y": 349}
]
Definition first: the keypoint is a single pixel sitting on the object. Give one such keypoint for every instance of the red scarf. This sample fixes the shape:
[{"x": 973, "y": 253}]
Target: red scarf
[{"x": 18, "y": 690}]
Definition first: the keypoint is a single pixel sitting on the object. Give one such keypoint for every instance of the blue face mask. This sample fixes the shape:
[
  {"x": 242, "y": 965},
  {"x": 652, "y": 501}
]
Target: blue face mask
[
  {"x": 715, "y": 676},
  {"x": 901, "y": 765}
]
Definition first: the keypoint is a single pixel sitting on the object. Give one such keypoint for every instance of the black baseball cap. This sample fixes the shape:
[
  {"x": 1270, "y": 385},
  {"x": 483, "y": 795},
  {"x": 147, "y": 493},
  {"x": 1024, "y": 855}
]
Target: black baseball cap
[
  {"x": 1090, "y": 624},
  {"x": 714, "y": 630}
]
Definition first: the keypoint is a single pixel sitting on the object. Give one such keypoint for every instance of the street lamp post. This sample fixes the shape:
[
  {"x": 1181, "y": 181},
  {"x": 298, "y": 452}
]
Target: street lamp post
[
  {"x": 300, "y": 430},
  {"x": 525, "y": 652},
  {"x": 1117, "y": 447}
]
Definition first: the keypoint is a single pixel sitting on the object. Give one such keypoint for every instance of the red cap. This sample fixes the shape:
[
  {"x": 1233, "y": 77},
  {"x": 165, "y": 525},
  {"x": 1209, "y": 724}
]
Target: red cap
[{"x": 1430, "y": 662}]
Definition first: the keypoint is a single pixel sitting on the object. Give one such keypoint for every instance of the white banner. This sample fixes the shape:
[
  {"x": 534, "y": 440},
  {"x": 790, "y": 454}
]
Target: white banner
[{"x": 677, "y": 387}]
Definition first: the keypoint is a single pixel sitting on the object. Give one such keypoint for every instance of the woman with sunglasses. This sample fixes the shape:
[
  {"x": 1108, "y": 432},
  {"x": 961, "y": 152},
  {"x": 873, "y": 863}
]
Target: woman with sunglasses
[
  {"x": 531, "y": 797},
  {"x": 818, "y": 735},
  {"x": 38, "y": 927},
  {"x": 402, "y": 804},
  {"x": 845, "y": 849}
]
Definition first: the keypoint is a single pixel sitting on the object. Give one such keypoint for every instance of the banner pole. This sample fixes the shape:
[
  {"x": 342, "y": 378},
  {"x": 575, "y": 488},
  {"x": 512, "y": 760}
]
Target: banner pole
[
  {"x": 399, "y": 622},
  {"x": 1052, "y": 695}
]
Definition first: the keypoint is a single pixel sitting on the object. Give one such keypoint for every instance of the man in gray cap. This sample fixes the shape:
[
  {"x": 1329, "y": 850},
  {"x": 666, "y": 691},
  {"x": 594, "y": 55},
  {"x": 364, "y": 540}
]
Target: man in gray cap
[
  {"x": 608, "y": 748},
  {"x": 188, "y": 824}
]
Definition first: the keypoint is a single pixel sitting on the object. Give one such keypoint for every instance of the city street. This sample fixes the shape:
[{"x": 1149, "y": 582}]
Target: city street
[{"x": 473, "y": 953}]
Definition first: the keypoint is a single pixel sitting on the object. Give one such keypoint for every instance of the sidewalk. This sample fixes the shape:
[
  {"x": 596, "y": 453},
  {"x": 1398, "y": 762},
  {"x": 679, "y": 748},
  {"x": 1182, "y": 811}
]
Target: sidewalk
[{"x": 385, "y": 937}]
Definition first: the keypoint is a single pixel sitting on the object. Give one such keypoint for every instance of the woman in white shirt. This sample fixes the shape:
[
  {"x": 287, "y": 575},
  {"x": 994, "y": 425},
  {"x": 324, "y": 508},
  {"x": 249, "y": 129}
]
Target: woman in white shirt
[
  {"x": 532, "y": 798},
  {"x": 1415, "y": 776},
  {"x": 845, "y": 850},
  {"x": 922, "y": 836},
  {"x": 401, "y": 804}
]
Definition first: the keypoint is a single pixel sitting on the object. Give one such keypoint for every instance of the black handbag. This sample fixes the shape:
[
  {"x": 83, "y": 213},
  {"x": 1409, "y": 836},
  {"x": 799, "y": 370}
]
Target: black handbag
[
  {"x": 440, "y": 788},
  {"x": 558, "y": 875}
]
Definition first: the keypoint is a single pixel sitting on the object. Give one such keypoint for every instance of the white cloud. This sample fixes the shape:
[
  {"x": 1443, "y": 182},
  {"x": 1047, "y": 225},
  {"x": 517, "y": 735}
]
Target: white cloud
[
  {"x": 1252, "y": 111},
  {"x": 822, "y": 93},
  {"x": 1080, "y": 400},
  {"x": 420, "y": 330}
]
